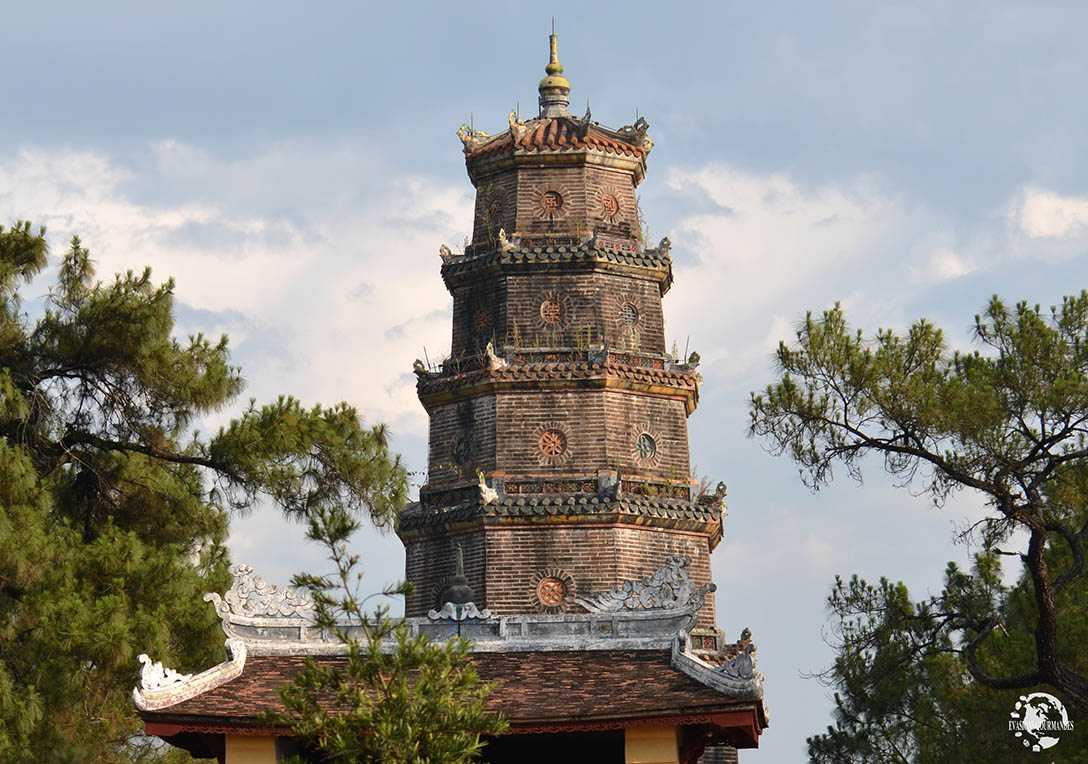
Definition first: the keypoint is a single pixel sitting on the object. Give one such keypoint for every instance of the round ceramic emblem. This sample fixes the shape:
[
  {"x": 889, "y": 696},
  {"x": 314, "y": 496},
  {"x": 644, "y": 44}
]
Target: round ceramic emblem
[
  {"x": 646, "y": 446},
  {"x": 553, "y": 443},
  {"x": 551, "y": 591}
]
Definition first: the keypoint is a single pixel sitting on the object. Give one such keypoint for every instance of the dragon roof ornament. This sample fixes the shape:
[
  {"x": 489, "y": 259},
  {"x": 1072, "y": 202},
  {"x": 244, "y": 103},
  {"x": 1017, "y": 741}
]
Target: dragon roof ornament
[
  {"x": 251, "y": 596},
  {"x": 668, "y": 588},
  {"x": 162, "y": 687}
]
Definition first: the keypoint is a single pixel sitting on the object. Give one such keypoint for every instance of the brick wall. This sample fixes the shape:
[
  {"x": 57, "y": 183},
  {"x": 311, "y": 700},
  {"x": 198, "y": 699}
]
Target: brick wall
[
  {"x": 430, "y": 563},
  {"x": 600, "y": 428},
  {"x": 462, "y": 439},
  {"x": 503, "y": 564},
  {"x": 511, "y": 200}
]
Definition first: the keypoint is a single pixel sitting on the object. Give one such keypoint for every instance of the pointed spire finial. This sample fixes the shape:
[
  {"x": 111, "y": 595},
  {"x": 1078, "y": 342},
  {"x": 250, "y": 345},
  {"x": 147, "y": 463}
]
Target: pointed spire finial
[{"x": 555, "y": 88}]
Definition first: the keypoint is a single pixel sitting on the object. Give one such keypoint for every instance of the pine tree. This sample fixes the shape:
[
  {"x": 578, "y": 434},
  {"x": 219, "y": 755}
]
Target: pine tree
[
  {"x": 1008, "y": 420},
  {"x": 394, "y": 698},
  {"x": 115, "y": 512}
]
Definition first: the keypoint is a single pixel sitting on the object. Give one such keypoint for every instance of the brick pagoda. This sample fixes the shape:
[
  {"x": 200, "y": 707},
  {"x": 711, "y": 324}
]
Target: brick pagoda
[
  {"x": 559, "y": 528},
  {"x": 558, "y": 426}
]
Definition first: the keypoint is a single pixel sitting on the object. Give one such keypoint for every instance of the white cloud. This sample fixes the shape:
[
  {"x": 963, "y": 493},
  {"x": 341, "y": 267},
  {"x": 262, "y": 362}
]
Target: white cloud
[
  {"x": 941, "y": 265},
  {"x": 279, "y": 244},
  {"x": 768, "y": 245},
  {"x": 1046, "y": 214}
]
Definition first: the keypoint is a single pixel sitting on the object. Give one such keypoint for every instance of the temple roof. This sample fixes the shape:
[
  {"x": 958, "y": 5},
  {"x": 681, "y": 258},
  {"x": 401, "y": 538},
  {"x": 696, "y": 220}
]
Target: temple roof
[
  {"x": 632, "y": 657},
  {"x": 555, "y": 129},
  {"x": 558, "y": 134},
  {"x": 538, "y": 691},
  {"x": 590, "y": 507}
]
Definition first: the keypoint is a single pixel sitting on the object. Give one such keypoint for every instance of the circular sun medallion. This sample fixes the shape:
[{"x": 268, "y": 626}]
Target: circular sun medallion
[
  {"x": 462, "y": 451},
  {"x": 552, "y": 443},
  {"x": 609, "y": 205},
  {"x": 481, "y": 320},
  {"x": 550, "y": 312},
  {"x": 646, "y": 446},
  {"x": 551, "y": 201},
  {"x": 551, "y": 591}
]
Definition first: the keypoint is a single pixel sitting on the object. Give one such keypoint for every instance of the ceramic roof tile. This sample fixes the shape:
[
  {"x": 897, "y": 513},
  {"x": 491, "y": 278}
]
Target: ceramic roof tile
[
  {"x": 530, "y": 687},
  {"x": 558, "y": 133}
]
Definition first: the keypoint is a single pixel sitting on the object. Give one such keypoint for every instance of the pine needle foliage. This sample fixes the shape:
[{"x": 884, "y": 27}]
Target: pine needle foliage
[
  {"x": 394, "y": 698},
  {"x": 115, "y": 512},
  {"x": 1008, "y": 420}
]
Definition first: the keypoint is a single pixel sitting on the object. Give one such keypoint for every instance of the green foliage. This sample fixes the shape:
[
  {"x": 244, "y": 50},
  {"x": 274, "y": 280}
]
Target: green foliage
[
  {"x": 115, "y": 513},
  {"x": 396, "y": 698},
  {"x": 1008, "y": 420}
]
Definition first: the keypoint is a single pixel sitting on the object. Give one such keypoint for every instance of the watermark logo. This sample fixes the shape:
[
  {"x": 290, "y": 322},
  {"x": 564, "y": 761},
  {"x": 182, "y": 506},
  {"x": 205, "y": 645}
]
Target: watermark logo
[{"x": 1037, "y": 720}]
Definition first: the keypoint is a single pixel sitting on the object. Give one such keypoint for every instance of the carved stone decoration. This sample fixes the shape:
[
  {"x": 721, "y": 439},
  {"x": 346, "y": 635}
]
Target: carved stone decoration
[
  {"x": 162, "y": 687},
  {"x": 549, "y": 200},
  {"x": 465, "y": 612},
  {"x": 517, "y": 126},
  {"x": 552, "y": 442},
  {"x": 626, "y": 310},
  {"x": 636, "y": 134},
  {"x": 742, "y": 666},
  {"x": 252, "y": 597},
  {"x": 582, "y": 124},
  {"x": 646, "y": 445},
  {"x": 737, "y": 678},
  {"x": 505, "y": 244},
  {"x": 488, "y": 495},
  {"x": 154, "y": 676},
  {"x": 668, "y": 588},
  {"x": 471, "y": 138},
  {"x": 553, "y": 312},
  {"x": 494, "y": 361}
]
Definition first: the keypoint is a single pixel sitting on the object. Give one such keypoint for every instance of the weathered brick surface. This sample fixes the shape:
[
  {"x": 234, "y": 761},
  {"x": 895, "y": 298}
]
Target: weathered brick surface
[
  {"x": 551, "y": 311},
  {"x": 600, "y": 427},
  {"x": 429, "y": 564},
  {"x": 503, "y": 564},
  {"x": 595, "y": 310},
  {"x": 513, "y": 202},
  {"x": 462, "y": 440}
]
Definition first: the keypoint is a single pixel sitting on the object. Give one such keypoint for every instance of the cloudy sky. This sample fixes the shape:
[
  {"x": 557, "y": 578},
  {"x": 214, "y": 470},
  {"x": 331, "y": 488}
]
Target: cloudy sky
[{"x": 295, "y": 167}]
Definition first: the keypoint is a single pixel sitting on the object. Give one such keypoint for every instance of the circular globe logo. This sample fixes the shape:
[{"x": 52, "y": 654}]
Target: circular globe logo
[{"x": 1037, "y": 718}]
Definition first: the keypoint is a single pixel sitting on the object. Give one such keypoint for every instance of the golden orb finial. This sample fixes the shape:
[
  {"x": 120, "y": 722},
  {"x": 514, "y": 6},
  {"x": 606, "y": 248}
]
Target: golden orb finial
[{"x": 554, "y": 89}]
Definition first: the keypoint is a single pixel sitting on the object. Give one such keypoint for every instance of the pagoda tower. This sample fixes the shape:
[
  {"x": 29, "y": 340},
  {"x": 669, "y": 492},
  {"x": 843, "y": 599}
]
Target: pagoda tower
[
  {"x": 559, "y": 528},
  {"x": 558, "y": 459}
]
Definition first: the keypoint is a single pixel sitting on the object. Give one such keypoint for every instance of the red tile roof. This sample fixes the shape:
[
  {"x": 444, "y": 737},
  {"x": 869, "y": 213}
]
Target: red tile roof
[
  {"x": 558, "y": 133},
  {"x": 534, "y": 689}
]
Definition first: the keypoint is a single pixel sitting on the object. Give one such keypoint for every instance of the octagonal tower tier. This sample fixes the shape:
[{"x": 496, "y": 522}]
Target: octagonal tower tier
[{"x": 558, "y": 439}]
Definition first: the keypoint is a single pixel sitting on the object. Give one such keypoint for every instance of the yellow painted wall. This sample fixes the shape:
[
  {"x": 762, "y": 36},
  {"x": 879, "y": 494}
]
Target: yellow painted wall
[
  {"x": 650, "y": 745},
  {"x": 251, "y": 749}
]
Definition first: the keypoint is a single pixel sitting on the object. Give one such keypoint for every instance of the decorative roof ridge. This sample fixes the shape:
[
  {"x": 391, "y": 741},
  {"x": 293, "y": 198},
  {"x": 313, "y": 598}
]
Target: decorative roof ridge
[
  {"x": 162, "y": 687},
  {"x": 737, "y": 677},
  {"x": 560, "y": 133},
  {"x": 584, "y": 369},
  {"x": 572, "y": 498},
  {"x": 565, "y": 504},
  {"x": 640, "y": 614},
  {"x": 512, "y": 246}
]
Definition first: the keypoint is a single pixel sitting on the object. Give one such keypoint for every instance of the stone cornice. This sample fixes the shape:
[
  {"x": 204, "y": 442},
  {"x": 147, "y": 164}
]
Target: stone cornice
[
  {"x": 434, "y": 389},
  {"x": 649, "y": 264},
  {"x": 677, "y": 514}
]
